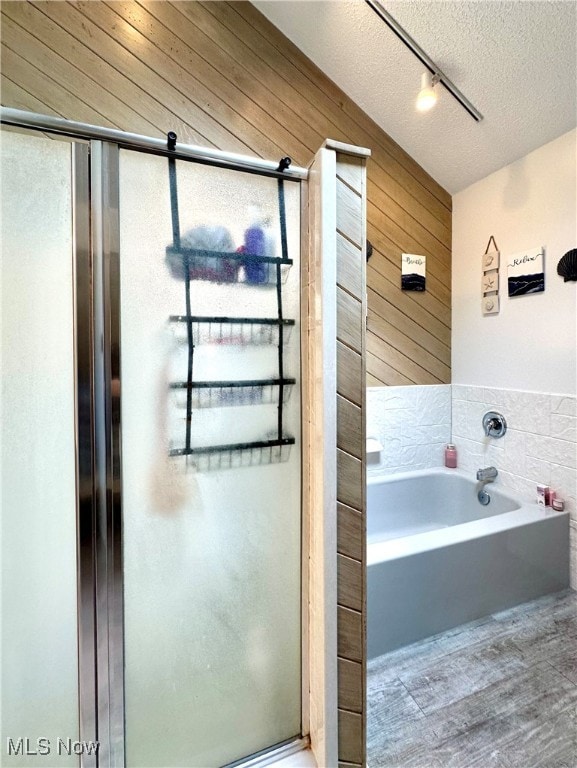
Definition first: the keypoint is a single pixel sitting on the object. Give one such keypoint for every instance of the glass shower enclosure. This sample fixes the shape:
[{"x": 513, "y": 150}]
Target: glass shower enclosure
[{"x": 151, "y": 454}]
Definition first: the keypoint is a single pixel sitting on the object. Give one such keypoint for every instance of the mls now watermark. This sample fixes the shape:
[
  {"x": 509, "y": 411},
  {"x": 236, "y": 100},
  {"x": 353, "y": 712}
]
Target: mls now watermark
[{"x": 44, "y": 746}]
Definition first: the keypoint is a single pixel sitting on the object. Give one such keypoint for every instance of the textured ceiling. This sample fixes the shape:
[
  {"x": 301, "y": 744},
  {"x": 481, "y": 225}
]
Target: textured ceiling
[{"x": 515, "y": 61}]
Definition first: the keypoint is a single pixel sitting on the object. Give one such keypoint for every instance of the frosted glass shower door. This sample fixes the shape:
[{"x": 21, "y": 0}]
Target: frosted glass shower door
[
  {"x": 212, "y": 541},
  {"x": 38, "y": 477}
]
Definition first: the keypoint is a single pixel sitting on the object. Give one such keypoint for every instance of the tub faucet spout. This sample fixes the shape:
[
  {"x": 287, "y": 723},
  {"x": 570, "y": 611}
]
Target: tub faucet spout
[{"x": 487, "y": 475}]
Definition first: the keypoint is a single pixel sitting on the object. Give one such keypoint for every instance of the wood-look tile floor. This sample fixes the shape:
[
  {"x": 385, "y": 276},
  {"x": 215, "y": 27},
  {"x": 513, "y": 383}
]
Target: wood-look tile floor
[{"x": 500, "y": 692}]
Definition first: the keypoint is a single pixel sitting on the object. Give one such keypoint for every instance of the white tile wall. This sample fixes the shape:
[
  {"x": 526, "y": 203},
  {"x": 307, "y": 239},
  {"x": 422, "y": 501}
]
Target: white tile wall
[
  {"x": 540, "y": 445},
  {"x": 413, "y": 424}
]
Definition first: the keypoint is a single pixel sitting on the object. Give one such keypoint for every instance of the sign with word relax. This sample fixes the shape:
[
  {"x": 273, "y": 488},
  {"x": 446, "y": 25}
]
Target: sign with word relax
[
  {"x": 525, "y": 272},
  {"x": 413, "y": 269}
]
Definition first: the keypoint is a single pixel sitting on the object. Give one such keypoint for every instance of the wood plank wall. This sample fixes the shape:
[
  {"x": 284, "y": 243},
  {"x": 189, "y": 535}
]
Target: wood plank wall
[
  {"x": 220, "y": 74},
  {"x": 351, "y": 455}
]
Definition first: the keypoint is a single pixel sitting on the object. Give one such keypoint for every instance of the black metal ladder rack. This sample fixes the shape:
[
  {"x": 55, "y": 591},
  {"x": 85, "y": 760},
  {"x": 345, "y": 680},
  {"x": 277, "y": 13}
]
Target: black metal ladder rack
[{"x": 280, "y": 324}]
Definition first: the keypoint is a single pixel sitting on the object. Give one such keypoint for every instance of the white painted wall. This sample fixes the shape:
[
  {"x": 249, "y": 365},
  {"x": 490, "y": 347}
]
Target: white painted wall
[{"x": 531, "y": 344}]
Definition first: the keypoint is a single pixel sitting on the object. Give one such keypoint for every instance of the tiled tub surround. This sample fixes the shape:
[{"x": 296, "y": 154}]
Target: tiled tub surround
[
  {"x": 540, "y": 445},
  {"x": 412, "y": 423}
]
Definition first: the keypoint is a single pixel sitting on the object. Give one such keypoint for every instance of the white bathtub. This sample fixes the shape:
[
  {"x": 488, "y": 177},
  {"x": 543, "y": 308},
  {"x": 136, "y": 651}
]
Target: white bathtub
[{"x": 438, "y": 558}]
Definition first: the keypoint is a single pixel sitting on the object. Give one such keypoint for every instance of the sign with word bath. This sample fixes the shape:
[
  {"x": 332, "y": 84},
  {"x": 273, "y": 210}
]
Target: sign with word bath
[
  {"x": 413, "y": 269},
  {"x": 525, "y": 272}
]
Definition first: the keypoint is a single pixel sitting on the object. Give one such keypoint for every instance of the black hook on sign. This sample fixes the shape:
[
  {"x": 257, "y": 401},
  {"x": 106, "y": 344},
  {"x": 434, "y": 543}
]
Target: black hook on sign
[
  {"x": 171, "y": 140},
  {"x": 284, "y": 164}
]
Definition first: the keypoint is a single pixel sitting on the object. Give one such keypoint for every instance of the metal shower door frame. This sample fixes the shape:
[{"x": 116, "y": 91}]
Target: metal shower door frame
[
  {"x": 104, "y": 158},
  {"x": 85, "y": 454},
  {"x": 107, "y": 421},
  {"x": 96, "y": 263},
  {"x": 108, "y": 533},
  {"x": 99, "y": 521}
]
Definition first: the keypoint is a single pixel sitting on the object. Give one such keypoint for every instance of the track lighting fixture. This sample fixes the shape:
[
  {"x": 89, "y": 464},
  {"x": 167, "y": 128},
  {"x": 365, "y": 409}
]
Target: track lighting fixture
[{"x": 436, "y": 75}]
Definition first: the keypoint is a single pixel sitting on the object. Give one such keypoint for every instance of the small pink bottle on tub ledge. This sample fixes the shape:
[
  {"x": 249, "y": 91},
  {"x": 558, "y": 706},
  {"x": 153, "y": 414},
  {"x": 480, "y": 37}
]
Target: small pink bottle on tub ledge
[{"x": 451, "y": 456}]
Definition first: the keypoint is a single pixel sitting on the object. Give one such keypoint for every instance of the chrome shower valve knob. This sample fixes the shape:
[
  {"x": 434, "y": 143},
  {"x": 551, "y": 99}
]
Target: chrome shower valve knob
[{"x": 494, "y": 424}]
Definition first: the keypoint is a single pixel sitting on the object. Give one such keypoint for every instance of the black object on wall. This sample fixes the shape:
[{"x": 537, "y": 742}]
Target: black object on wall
[
  {"x": 567, "y": 266},
  {"x": 369, "y": 249}
]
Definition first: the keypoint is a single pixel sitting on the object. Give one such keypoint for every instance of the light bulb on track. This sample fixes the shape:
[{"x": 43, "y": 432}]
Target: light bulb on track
[{"x": 427, "y": 97}]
